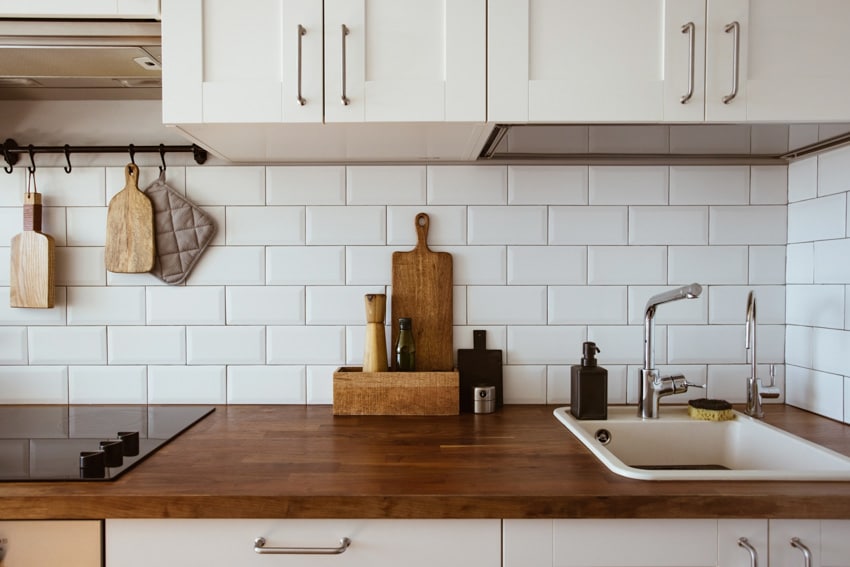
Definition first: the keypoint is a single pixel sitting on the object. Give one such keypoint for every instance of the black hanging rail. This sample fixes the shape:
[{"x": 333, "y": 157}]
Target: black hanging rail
[{"x": 12, "y": 152}]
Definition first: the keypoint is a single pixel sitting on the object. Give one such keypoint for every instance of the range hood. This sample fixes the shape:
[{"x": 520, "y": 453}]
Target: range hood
[{"x": 80, "y": 60}]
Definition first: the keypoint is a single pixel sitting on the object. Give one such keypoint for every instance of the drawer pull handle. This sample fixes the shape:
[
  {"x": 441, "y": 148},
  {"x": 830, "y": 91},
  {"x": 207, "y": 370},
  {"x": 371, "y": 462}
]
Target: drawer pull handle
[
  {"x": 735, "y": 28},
  {"x": 745, "y": 543},
  {"x": 302, "y": 31},
  {"x": 260, "y": 547},
  {"x": 345, "y": 32},
  {"x": 689, "y": 29},
  {"x": 807, "y": 554}
]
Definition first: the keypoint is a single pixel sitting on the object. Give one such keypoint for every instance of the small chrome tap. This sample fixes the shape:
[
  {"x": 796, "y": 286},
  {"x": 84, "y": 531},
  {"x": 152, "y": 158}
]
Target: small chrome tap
[
  {"x": 756, "y": 390},
  {"x": 653, "y": 386}
]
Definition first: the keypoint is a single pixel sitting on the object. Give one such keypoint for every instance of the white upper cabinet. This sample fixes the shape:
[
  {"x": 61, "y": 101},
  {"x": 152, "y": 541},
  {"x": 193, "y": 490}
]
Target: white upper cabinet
[
  {"x": 80, "y": 8},
  {"x": 668, "y": 60},
  {"x": 293, "y": 61}
]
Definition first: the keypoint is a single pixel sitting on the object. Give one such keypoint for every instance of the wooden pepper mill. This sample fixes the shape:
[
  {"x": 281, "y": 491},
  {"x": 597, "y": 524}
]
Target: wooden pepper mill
[{"x": 375, "y": 349}]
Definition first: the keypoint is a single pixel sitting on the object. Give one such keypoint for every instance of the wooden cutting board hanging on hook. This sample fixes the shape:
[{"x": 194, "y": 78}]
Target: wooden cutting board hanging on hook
[
  {"x": 130, "y": 247},
  {"x": 31, "y": 277}
]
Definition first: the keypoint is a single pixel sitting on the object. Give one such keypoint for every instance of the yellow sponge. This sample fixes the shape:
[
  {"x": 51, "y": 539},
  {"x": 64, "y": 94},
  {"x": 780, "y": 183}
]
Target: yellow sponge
[{"x": 710, "y": 410}]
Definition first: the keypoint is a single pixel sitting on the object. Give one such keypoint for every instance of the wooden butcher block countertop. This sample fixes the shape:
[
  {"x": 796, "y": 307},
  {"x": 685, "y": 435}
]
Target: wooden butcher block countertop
[{"x": 303, "y": 462}]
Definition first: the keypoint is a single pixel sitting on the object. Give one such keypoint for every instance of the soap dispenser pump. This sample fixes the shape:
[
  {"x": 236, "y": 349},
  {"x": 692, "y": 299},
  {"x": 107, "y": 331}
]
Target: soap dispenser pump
[{"x": 589, "y": 386}]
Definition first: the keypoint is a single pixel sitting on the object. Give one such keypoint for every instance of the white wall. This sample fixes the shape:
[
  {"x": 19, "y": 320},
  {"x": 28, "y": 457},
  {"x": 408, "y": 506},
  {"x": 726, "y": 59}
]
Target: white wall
[
  {"x": 818, "y": 304},
  {"x": 545, "y": 257}
]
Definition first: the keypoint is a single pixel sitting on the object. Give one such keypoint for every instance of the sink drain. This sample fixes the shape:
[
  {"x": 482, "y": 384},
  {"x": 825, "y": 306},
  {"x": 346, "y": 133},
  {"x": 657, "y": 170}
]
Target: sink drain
[{"x": 603, "y": 436}]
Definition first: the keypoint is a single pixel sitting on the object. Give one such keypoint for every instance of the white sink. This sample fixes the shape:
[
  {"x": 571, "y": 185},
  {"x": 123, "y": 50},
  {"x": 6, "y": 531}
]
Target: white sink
[{"x": 676, "y": 447}]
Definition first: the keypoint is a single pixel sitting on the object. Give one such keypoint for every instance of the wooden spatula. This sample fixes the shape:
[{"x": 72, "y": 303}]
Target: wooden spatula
[
  {"x": 130, "y": 244},
  {"x": 31, "y": 279}
]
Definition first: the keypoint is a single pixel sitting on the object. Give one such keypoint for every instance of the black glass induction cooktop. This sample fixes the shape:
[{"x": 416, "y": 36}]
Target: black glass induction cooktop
[{"x": 86, "y": 443}]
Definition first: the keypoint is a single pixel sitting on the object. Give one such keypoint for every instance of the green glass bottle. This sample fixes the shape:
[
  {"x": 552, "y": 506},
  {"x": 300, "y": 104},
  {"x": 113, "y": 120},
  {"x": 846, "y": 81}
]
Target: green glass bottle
[{"x": 405, "y": 349}]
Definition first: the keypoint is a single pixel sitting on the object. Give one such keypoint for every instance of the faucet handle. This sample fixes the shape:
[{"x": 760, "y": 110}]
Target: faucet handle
[
  {"x": 692, "y": 385},
  {"x": 772, "y": 372}
]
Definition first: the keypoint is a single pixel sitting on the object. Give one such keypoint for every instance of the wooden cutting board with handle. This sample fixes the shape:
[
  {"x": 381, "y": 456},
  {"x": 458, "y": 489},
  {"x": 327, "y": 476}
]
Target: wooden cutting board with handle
[
  {"x": 422, "y": 290},
  {"x": 130, "y": 246},
  {"x": 478, "y": 366},
  {"x": 31, "y": 278}
]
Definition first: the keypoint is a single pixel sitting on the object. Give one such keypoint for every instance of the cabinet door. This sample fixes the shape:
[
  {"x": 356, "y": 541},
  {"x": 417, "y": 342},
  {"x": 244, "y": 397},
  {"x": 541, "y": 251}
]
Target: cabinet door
[
  {"x": 227, "y": 62},
  {"x": 791, "y": 62},
  {"x": 783, "y": 554},
  {"x": 68, "y": 543},
  {"x": 835, "y": 543},
  {"x": 405, "y": 60},
  {"x": 574, "y": 60},
  {"x": 374, "y": 543},
  {"x": 731, "y": 553}
]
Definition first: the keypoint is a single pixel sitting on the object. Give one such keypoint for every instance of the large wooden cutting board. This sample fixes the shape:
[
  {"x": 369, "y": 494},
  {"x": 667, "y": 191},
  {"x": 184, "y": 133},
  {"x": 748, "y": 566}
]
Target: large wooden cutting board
[
  {"x": 32, "y": 275},
  {"x": 422, "y": 290},
  {"x": 130, "y": 246}
]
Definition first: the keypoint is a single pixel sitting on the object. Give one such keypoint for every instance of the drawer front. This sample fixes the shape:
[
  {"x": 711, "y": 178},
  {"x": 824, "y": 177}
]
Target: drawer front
[
  {"x": 69, "y": 543},
  {"x": 374, "y": 543}
]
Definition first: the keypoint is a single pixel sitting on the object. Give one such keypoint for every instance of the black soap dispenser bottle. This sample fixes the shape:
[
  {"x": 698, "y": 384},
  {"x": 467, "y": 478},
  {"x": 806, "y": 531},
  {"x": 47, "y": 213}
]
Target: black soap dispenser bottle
[{"x": 589, "y": 386}]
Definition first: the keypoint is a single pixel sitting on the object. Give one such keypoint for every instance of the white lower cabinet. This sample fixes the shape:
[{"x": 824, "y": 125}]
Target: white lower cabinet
[
  {"x": 374, "y": 543},
  {"x": 33, "y": 543},
  {"x": 823, "y": 543}
]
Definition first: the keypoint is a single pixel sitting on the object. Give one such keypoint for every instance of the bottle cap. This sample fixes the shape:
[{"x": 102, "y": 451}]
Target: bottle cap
[
  {"x": 589, "y": 350},
  {"x": 404, "y": 323}
]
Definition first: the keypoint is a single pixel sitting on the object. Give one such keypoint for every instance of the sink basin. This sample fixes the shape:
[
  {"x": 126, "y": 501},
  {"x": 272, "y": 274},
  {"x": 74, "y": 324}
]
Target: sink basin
[{"x": 676, "y": 447}]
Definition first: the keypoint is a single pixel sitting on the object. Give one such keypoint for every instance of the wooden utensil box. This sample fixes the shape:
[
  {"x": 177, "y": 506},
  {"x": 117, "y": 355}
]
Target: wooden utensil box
[{"x": 395, "y": 393}]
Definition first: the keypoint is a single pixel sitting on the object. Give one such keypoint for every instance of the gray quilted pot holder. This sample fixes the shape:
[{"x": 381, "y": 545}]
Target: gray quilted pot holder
[{"x": 182, "y": 232}]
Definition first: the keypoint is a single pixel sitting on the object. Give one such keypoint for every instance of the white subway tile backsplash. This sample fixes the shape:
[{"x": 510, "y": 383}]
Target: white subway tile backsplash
[
  {"x": 264, "y": 305},
  {"x": 710, "y": 138},
  {"x": 817, "y": 219},
  {"x": 386, "y": 185},
  {"x": 558, "y": 385},
  {"x": 832, "y": 168},
  {"x": 542, "y": 265},
  {"x": 608, "y": 138},
  {"x": 264, "y": 225},
  {"x": 34, "y": 384},
  {"x": 544, "y": 139},
  {"x": 10, "y": 223},
  {"x": 106, "y": 305},
  {"x": 305, "y": 265},
  {"x": 708, "y": 264},
  {"x": 67, "y": 345},
  {"x": 802, "y": 179},
  {"x": 369, "y": 265},
  {"x": 587, "y": 305},
  {"x": 815, "y": 305},
  {"x": 507, "y": 225},
  {"x": 347, "y": 225},
  {"x": 689, "y": 344},
  {"x": 147, "y": 345},
  {"x": 187, "y": 385},
  {"x": 540, "y": 344},
  {"x": 320, "y": 384},
  {"x": 13, "y": 345},
  {"x": 5, "y": 261},
  {"x": 446, "y": 226},
  {"x": 86, "y": 226},
  {"x": 728, "y": 304},
  {"x": 180, "y": 305},
  {"x": 219, "y": 217},
  {"x": 226, "y": 185},
  {"x": 230, "y": 265},
  {"x": 767, "y": 265},
  {"x": 495, "y": 338},
  {"x": 830, "y": 261},
  {"x": 524, "y": 384},
  {"x": 80, "y": 265},
  {"x": 317, "y": 344},
  {"x": 467, "y": 185},
  {"x": 512, "y": 305},
  {"x": 338, "y": 305},
  {"x": 266, "y": 385},
  {"x": 709, "y": 185},
  {"x": 459, "y": 304},
  {"x": 52, "y": 223},
  {"x": 690, "y": 312},
  {"x": 107, "y": 385},
  {"x": 627, "y": 265},
  {"x": 85, "y": 187},
  {"x": 588, "y": 225},
  {"x": 547, "y": 185},
  {"x": 145, "y": 279},
  {"x": 801, "y": 263},
  {"x": 765, "y": 224},
  {"x": 771, "y": 348},
  {"x": 628, "y": 185},
  {"x": 22, "y": 316},
  {"x": 729, "y": 382},
  {"x": 668, "y": 225},
  {"x": 477, "y": 265},
  {"x": 830, "y": 352},
  {"x": 305, "y": 185},
  {"x": 815, "y": 391},
  {"x": 619, "y": 344},
  {"x": 799, "y": 345},
  {"x": 768, "y": 185},
  {"x": 226, "y": 345}
]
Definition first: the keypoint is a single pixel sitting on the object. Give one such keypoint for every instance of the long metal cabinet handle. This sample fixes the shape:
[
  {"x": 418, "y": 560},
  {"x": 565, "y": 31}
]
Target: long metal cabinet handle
[
  {"x": 345, "y": 32},
  {"x": 754, "y": 558},
  {"x": 735, "y": 28},
  {"x": 301, "y": 32},
  {"x": 260, "y": 547},
  {"x": 807, "y": 554},
  {"x": 689, "y": 29}
]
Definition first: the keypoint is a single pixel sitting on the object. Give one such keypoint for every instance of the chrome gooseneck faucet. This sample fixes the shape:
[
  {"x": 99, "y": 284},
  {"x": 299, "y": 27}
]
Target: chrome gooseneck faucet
[
  {"x": 755, "y": 389},
  {"x": 653, "y": 386}
]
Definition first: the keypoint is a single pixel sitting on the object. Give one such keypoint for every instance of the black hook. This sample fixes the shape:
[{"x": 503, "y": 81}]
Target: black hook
[
  {"x": 31, "y": 151},
  {"x": 68, "y": 158},
  {"x": 132, "y": 151},
  {"x": 162, "y": 158},
  {"x": 10, "y": 157}
]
